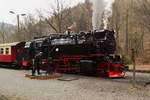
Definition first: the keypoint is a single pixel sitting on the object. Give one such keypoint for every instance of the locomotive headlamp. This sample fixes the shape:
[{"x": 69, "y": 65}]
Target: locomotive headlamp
[{"x": 57, "y": 49}]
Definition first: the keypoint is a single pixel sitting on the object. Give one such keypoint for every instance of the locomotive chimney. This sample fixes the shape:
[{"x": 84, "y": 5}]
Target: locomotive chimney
[{"x": 69, "y": 30}]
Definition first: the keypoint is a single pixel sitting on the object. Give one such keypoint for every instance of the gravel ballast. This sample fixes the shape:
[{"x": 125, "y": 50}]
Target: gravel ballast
[{"x": 15, "y": 86}]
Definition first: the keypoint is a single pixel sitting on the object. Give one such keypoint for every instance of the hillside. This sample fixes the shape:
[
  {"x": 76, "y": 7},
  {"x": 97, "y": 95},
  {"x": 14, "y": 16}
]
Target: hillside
[
  {"x": 6, "y": 24},
  {"x": 131, "y": 21}
]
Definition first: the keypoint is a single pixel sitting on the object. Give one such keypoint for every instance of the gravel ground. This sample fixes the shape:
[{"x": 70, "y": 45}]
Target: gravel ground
[
  {"x": 15, "y": 86},
  {"x": 3, "y": 97}
]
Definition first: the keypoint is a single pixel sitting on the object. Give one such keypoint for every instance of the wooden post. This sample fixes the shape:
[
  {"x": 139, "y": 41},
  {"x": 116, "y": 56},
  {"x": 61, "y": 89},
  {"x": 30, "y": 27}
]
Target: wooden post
[{"x": 134, "y": 69}]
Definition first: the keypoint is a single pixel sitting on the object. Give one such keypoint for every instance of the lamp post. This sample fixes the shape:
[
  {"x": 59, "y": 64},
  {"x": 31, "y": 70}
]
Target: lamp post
[{"x": 18, "y": 19}]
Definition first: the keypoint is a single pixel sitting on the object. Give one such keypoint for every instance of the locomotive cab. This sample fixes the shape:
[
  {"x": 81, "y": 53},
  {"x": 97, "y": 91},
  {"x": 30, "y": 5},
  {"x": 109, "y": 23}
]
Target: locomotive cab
[{"x": 104, "y": 41}]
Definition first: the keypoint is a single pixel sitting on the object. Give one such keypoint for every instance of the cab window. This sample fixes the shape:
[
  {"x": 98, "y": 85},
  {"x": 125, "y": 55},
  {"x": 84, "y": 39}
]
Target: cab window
[{"x": 7, "y": 51}]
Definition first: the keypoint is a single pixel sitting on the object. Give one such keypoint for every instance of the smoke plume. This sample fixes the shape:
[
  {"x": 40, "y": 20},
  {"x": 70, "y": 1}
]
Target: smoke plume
[{"x": 102, "y": 10}]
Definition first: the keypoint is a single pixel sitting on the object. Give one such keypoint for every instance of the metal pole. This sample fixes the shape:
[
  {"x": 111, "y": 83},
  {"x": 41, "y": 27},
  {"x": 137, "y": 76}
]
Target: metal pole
[
  {"x": 134, "y": 68},
  {"x": 18, "y": 23}
]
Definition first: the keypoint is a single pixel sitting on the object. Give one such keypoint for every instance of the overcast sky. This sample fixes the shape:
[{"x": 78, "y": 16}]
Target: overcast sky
[{"x": 26, "y": 6}]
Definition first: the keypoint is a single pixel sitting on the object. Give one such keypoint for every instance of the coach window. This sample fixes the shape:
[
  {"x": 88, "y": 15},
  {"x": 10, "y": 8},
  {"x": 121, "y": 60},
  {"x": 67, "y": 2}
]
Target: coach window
[
  {"x": 1, "y": 51},
  {"x": 7, "y": 51}
]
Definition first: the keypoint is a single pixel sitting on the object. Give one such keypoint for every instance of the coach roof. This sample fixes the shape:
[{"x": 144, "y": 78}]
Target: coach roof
[{"x": 9, "y": 44}]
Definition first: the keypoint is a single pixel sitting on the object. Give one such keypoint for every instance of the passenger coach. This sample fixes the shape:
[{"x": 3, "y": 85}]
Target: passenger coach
[{"x": 12, "y": 54}]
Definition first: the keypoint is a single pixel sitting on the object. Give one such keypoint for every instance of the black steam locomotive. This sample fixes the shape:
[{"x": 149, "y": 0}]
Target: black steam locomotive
[{"x": 90, "y": 53}]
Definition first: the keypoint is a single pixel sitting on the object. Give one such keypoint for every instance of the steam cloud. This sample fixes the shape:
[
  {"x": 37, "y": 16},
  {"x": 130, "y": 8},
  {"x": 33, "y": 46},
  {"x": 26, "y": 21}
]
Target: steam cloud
[{"x": 102, "y": 10}]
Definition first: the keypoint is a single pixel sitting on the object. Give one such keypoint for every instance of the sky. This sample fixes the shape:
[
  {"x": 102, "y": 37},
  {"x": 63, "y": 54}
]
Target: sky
[{"x": 27, "y": 7}]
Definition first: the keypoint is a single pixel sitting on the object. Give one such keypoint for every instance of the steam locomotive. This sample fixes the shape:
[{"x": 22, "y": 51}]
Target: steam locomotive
[{"x": 89, "y": 53}]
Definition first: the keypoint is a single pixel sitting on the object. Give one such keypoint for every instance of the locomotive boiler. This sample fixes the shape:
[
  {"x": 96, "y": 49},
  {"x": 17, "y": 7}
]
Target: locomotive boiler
[{"x": 84, "y": 43}]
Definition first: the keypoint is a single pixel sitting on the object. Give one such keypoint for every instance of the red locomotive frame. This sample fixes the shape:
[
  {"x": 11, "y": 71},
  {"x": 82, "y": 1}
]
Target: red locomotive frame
[{"x": 71, "y": 64}]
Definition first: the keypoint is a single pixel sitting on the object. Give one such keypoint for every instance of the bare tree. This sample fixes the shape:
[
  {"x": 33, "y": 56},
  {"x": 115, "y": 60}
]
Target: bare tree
[
  {"x": 3, "y": 32},
  {"x": 28, "y": 29},
  {"x": 143, "y": 9},
  {"x": 58, "y": 16},
  {"x": 116, "y": 21}
]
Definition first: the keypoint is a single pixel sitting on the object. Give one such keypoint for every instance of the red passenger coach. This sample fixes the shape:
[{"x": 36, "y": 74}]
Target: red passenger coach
[{"x": 11, "y": 53}]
